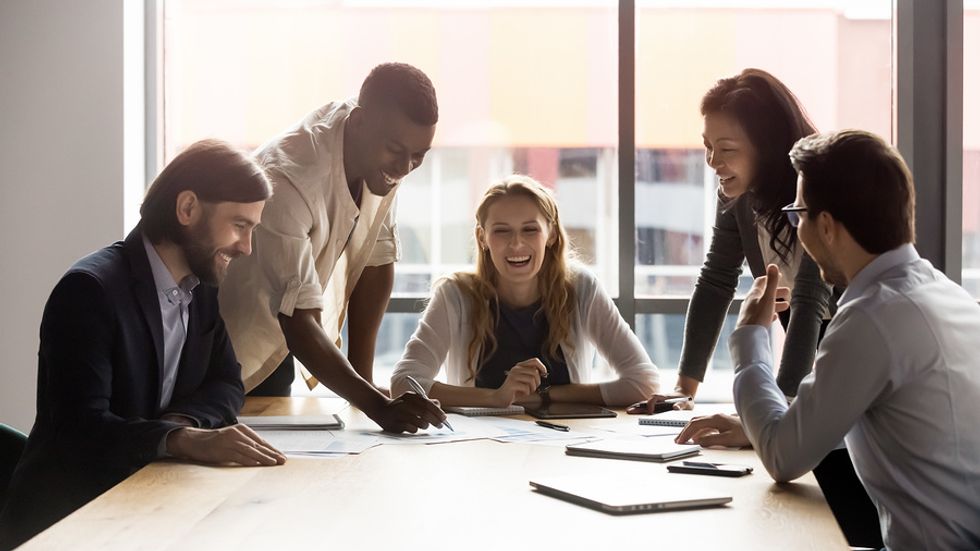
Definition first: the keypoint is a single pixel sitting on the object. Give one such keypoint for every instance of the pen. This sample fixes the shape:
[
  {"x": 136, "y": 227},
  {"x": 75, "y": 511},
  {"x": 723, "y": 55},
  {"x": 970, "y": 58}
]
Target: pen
[
  {"x": 421, "y": 392},
  {"x": 678, "y": 400},
  {"x": 554, "y": 426}
]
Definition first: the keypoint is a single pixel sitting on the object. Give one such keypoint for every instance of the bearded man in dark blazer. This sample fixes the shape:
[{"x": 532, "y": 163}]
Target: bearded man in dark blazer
[{"x": 134, "y": 362}]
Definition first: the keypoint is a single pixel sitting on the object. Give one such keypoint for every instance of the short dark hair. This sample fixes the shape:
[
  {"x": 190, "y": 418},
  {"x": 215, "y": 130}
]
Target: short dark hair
[
  {"x": 215, "y": 171},
  {"x": 773, "y": 120},
  {"x": 862, "y": 181},
  {"x": 404, "y": 87}
]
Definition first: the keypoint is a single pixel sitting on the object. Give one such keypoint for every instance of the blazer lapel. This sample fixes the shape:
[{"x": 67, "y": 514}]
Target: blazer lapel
[{"x": 145, "y": 290}]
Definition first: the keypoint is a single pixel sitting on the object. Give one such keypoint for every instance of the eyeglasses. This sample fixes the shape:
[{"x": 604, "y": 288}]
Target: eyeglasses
[{"x": 793, "y": 214}]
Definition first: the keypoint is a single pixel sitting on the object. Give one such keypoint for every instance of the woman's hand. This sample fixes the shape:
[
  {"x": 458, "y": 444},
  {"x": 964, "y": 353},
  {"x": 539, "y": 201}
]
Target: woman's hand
[
  {"x": 656, "y": 404},
  {"x": 522, "y": 380}
]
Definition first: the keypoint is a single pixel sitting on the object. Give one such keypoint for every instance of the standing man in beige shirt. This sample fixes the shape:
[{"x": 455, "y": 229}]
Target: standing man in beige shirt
[{"x": 328, "y": 242}]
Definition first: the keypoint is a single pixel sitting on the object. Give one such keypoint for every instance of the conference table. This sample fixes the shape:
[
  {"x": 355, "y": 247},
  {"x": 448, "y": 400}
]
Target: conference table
[{"x": 462, "y": 495}]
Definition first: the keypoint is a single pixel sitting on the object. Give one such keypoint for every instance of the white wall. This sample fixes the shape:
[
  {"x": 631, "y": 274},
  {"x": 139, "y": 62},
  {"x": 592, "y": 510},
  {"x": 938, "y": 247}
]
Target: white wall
[{"x": 62, "y": 163}]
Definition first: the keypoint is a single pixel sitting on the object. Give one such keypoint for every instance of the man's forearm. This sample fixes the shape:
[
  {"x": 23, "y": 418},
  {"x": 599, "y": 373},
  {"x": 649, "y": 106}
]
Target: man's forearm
[
  {"x": 310, "y": 344},
  {"x": 761, "y": 405},
  {"x": 365, "y": 311}
]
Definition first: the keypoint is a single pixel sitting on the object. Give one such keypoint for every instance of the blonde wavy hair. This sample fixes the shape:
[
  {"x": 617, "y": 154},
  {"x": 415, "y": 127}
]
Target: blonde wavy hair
[{"x": 554, "y": 280}]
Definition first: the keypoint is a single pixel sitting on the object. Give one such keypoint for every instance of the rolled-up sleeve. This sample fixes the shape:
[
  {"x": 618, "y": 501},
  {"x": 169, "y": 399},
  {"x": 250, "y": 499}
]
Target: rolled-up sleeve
[
  {"x": 285, "y": 252},
  {"x": 387, "y": 249}
]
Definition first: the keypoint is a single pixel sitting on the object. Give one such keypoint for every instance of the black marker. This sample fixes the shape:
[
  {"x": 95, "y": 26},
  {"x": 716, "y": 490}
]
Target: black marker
[{"x": 554, "y": 426}]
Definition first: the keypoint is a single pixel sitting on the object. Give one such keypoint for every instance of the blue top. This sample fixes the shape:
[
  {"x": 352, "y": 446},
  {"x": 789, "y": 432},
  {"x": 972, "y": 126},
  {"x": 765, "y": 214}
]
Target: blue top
[{"x": 520, "y": 333}]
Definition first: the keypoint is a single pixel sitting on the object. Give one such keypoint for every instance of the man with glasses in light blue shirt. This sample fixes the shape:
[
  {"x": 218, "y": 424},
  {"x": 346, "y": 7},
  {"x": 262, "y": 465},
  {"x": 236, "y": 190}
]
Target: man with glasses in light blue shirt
[{"x": 897, "y": 373}]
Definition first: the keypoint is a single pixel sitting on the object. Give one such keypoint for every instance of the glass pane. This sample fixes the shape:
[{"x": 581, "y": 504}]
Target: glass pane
[
  {"x": 971, "y": 147},
  {"x": 681, "y": 52},
  {"x": 396, "y": 329},
  {"x": 515, "y": 96},
  {"x": 662, "y": 336}
]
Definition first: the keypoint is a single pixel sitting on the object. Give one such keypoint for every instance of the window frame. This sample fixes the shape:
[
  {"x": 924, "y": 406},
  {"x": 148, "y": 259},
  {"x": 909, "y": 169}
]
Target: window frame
[{"x": 927, "y": 128}]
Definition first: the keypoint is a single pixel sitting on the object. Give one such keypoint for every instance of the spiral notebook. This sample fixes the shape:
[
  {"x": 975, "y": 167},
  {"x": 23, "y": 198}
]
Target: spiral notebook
[
  {"x": 681, "y": 417},
  {"x": 474, "y": 411}
]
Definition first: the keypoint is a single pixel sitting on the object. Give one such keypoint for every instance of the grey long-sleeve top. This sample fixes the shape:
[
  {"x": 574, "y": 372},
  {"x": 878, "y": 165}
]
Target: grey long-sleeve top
[{"x": 735, "y": 239}]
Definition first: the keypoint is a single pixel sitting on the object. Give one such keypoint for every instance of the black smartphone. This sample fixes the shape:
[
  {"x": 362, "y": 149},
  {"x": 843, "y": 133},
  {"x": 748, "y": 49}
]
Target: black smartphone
[{"x": 712, "y": 469}]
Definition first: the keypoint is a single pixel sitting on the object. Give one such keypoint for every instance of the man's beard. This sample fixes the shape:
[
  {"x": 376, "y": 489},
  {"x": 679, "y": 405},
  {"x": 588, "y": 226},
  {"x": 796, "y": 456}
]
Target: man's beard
[{"x": 201, "y": 254}]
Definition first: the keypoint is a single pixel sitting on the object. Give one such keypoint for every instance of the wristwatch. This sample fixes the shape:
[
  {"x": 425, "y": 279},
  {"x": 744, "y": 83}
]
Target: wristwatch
[{"x": 543, "y": 393}]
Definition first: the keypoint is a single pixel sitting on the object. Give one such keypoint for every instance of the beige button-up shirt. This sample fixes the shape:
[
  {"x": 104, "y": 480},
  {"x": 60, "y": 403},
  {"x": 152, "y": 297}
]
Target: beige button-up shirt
[{"x": 311, "y": 247}]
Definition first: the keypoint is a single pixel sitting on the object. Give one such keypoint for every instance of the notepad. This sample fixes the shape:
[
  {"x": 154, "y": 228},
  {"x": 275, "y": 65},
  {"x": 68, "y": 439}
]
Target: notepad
[
  {"x": 681, "y": 417},
  {"x": 644, "y": 449},
  {"x": 292, "y": 422},
  {"x": 474, "y": 411}
]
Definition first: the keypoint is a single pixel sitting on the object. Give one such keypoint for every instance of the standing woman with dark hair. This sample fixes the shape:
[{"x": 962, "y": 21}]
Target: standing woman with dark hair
[{"x": 751, "y": 122}]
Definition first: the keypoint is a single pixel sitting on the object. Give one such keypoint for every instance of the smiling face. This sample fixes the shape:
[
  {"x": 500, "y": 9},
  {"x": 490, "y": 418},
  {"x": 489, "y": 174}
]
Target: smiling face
[
  {"x": 730, "y": 153},
  {"x": 517, "y": 234},
  {"x": 221, "y": 234},
  {"x": 387, "y": 147}
]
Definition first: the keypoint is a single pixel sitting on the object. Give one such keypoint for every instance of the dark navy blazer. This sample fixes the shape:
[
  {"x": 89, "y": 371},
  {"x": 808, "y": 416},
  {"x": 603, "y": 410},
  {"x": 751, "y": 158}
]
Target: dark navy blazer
[{"x": 100, "y": 371}]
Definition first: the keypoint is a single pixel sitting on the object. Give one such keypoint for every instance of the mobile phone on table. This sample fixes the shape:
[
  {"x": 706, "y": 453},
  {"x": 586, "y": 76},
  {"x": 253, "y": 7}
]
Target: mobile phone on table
[{"x": 712, "y": 469}]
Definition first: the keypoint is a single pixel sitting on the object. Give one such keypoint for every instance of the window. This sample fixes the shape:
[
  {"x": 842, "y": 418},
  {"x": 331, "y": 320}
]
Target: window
[
  {"x": 532, "y": 87},
  {"x": 971, "y": 147},
  {"x": 520, "y": 97},
  {"x": 680, "y": 53}
]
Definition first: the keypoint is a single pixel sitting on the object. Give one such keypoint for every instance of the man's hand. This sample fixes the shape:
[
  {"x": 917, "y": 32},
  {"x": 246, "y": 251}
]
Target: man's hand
[
  {"x": 764, "y": 301},
  {"x": 235, "y": 444},
  {"x": 409, "y": 413},
  {"x": 651, "y": 406},
  {"x": 522, "y": 381},
  {"x": 714, "y": 430}
]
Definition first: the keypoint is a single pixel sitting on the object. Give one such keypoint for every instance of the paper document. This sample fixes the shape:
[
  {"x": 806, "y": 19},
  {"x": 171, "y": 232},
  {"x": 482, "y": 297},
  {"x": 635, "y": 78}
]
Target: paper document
[
  {"x": 318, "y": 441},
  {"x": 467, "y": 428}
]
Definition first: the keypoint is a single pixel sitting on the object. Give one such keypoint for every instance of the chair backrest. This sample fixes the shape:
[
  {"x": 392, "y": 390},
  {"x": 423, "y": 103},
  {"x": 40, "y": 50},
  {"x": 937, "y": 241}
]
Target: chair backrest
[{"x": 12, "y": 443}]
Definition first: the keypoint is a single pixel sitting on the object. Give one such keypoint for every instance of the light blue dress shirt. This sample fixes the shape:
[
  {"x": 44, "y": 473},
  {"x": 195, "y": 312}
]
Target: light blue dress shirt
[
  {"x": 898, "y": 376},
  {"x": 175, "y": 299}
]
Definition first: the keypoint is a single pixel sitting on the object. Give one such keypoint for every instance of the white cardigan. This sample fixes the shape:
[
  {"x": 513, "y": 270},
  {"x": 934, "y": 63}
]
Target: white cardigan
[{"x": 444, "y": 332}]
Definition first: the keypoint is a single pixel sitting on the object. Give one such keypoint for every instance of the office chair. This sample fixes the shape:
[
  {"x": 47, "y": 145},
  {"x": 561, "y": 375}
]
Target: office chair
[{"x": 12, "y": 443}]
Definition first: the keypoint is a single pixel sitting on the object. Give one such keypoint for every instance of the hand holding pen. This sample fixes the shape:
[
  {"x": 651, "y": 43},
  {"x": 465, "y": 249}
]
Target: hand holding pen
[
  {"x": 421, "y": 392},
  {"x": 522, "y": 381}
]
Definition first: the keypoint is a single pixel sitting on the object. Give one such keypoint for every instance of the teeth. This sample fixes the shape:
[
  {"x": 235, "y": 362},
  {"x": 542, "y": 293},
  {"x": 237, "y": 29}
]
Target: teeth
[
  {"x": 518, "y": 258},
  {"x": 723, "y": 179},
  {"x": 389, "y": 180}
]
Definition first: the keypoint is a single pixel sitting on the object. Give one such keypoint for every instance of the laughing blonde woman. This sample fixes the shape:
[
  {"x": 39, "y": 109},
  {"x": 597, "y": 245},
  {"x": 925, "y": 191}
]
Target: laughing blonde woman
[{"x": 523, "y": 328}]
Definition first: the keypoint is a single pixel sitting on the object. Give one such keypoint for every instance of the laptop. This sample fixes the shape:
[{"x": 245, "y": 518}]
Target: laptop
[{"x": 624, "y": 497}]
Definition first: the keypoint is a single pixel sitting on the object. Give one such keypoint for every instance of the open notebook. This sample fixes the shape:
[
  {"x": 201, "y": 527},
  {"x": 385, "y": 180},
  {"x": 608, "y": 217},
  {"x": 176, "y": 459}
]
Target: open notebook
[{"x": 681, "y": 417}]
